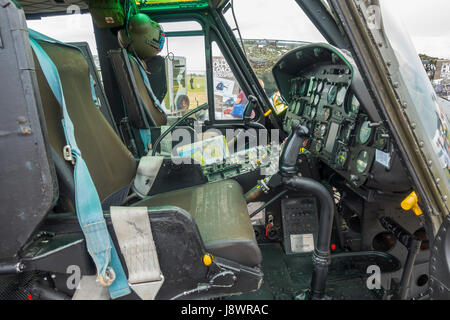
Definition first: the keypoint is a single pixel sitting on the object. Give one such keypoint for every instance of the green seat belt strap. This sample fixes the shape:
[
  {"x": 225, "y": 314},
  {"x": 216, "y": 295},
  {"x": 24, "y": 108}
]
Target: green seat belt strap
[{"x": 89, "y": 211}]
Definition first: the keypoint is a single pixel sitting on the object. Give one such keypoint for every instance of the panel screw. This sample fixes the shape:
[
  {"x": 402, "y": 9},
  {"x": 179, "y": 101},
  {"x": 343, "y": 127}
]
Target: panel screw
[
  {"x": 421, "y": 144},
  {"x": 396, "y": 85}
]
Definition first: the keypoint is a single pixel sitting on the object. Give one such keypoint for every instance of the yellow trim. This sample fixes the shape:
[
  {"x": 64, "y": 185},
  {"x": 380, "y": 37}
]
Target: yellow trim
[{"x": 268, "y": 112}]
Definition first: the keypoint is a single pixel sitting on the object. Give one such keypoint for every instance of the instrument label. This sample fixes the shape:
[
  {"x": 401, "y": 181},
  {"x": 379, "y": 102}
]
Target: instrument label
[
  {"x": 301, "y": 243},
  {"x": 383, "y": 158}
]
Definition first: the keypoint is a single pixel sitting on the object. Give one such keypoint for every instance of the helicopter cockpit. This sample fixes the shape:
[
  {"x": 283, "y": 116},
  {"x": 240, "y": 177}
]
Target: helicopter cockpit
[{"x": 160, "y": 185}]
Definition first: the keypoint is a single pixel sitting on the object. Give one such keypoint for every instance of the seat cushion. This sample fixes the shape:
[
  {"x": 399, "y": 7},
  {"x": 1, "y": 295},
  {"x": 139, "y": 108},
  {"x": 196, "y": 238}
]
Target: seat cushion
[{"x": 221, "y": 214}]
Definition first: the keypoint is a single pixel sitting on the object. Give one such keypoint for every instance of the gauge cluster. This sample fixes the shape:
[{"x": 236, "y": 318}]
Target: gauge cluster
[{"x": 321, "y": 97}]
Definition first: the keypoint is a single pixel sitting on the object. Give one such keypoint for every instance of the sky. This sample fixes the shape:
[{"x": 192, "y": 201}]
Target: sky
[{"x": 428, "y": 23}]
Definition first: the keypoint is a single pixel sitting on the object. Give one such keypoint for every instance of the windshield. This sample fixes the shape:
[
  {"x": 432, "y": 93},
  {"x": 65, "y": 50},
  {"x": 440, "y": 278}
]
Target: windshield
[
  {"x": 425, "y": 111},
  {"x": 270, "y": 29}
]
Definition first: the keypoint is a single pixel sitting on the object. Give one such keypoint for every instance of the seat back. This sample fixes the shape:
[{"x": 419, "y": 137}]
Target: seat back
[
  {"x": 158, "y": 79},
  {"x": 111, "y": 165},
  {"x": 135, "y": 92}
]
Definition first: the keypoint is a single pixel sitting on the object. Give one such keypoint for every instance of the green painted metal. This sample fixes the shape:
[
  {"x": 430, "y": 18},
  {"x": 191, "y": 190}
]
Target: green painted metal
[{"x": 152, "y": 5}]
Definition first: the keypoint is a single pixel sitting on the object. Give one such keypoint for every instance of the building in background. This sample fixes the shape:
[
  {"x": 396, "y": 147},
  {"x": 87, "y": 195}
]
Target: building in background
[
  {"x": 438, "y": 71},
  {"x": 442, "y": 74}
]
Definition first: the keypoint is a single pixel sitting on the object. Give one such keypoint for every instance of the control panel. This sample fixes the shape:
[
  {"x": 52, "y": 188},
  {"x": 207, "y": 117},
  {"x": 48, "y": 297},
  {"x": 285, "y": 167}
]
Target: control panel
[
  {"x": 262, "y": 158},
  {"x": 316, "y": 81}
]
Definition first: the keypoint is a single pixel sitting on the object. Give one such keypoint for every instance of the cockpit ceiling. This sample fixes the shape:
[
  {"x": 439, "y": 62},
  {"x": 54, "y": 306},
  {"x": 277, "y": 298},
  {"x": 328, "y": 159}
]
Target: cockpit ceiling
[
  {"x": 33, "y": 7},
  {"x": 37, "y": 7}
]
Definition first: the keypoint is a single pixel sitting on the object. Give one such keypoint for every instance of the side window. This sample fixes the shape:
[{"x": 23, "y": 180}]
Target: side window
[
  {"x": 229, "y": 99},
  {"x": 184, "y": 52}
]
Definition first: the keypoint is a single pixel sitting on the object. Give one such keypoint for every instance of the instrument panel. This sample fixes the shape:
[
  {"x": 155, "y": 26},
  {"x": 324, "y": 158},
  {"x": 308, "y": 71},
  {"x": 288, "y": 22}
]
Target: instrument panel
[{"x": 321, "y": 97}]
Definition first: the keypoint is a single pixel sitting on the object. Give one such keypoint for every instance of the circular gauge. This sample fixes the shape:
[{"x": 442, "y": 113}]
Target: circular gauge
[
  {"x": 340, "y": 98},
  {"x": 302, "y": 87},
  {"x": 316, "y": 100},
  {"x": 345, "y": 133},
  {"x": 326, "y": 114},
  {"x": 381, "y": 138},
  {"x": 362, "y": 161},
  {"x": 322, "y": 129},
  {"x": 307, "y": 111},
  {"x": 320, "y": 87},
  {"x": 332, "y": 93},
  {"x": 305, "y": 143},
  {"x": 289, "y": 123},
  {"x": 319, "y": 145},
  {"x": 313, "y": 112},
  {"x": 355, "y": 104},
  {"x": 309, "y": 125},
  {"x": 294, "y": 86},
  {"x": 292, "y": 106},
  {"x": 315, "y": 82},
  {"x": 341, "y": 157},
  {"x": 352, "y": 105},
  {"x": 365, "y": 132},
  {"x": 298, "y": 109}
]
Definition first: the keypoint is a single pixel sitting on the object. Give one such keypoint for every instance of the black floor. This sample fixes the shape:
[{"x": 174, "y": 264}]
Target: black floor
[{"x": 285, "y": 277}]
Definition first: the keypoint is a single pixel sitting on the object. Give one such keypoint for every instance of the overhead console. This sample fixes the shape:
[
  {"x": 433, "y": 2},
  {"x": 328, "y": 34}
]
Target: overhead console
[{"x": 326, "y": 94}]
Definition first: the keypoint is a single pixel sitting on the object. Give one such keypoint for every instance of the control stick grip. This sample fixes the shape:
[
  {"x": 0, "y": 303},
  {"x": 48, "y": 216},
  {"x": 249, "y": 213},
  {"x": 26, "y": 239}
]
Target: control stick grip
[{"x": 289, "y": 156}]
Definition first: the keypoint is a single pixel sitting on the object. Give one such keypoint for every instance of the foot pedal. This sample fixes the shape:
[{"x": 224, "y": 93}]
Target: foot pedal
[{"x": 300, "y": 224}]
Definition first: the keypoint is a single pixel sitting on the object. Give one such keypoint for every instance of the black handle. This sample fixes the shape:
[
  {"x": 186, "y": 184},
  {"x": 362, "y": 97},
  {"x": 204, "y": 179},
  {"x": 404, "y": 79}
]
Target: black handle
[{"x": 288, "y": 159}]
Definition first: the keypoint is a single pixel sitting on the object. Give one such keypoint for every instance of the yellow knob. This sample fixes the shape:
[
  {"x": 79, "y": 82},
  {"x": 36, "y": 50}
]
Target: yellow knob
[
  {"x": 411, "y": 203},
  {"x": 207, "y": 259},
  {"x": 268, "y": 112}
]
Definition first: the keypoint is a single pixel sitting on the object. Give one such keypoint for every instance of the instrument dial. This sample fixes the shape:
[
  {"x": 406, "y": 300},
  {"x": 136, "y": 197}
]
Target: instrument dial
[
  {"x": 340, "y": 98},
  {"x": 319, "y": 145},
  {"x": 294, "y": 86},
  {"x": 345, "y": 133},
  {"x": 362, "y": 161},
  {"x": 381, "y": 138},
  {"x": 332, "y": 93},
  {"x": 313, "y": 112},
  {"x": 341, "y": 157},
  {"x": 298, "y": 107},
  {"x": 365, "y": 132},
  {"x": 322, "y": 129},
  {"x": 307, "y": 112},
  {"x": 316, "y": 100},
  {"x": 303, "y": 87},
  {"x": 352, "y": 105},
  {"x": 326, "y": 114},
  {"x": 320, "y": 86},
  {"x": 292, "y": 106},
  {"x": 314, "y": 87}
]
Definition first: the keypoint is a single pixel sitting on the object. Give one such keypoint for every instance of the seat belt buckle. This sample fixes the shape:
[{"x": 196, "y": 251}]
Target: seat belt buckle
[
  {"x": 67, "y": 154},
  {"x": 147, "y": 290}
]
